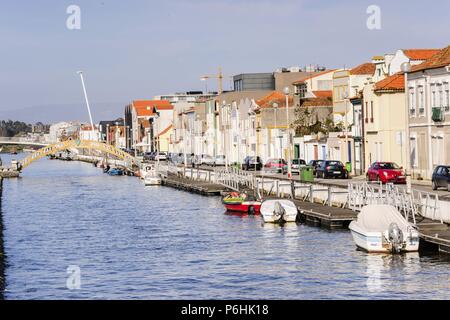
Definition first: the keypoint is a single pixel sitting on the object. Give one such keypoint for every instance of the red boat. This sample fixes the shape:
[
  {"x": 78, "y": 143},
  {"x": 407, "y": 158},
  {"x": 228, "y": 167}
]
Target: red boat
[{"x": 242, "y": 202}]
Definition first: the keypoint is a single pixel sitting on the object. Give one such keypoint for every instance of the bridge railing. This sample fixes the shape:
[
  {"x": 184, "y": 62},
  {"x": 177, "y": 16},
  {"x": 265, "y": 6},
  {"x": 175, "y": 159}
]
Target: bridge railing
[{"x": 23, "y": 140}]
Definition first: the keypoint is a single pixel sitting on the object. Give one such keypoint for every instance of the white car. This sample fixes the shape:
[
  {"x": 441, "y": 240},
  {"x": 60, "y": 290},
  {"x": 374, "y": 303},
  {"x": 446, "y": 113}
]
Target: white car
[
  {"x": 161, "y": 156},
  {"x": 219, "y": 160}
]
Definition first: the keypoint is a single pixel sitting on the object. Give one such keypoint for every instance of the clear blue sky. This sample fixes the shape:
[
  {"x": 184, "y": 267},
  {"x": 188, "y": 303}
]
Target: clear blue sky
[{"x": 138, "y": 49}]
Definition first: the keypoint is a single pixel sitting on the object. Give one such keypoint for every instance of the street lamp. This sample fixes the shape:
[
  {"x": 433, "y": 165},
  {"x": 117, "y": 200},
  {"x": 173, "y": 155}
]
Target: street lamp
[
  {"x": 406, "y": 67},
  {"x": 287, "y": 92},
  {"x": 107, "y": 134},
  {"x": 225, "y": 133},
  {"x": 277, "y": 135},
  {"x": 116, "y": 138}
]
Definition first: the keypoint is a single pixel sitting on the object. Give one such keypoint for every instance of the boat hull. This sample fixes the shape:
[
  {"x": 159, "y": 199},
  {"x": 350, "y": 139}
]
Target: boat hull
[
  {"x": 244, "y": 207},
  {"x": 372, "y": 242},
  {"x": 154, "y": 181}
]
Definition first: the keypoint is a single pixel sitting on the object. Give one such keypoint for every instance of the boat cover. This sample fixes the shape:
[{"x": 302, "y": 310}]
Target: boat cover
[
  {"x": 268, "y": 206},
  {"x": 377, "y": 218}
]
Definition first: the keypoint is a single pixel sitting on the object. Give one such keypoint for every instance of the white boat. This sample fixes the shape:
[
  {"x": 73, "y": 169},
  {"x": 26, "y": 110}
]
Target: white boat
[
  {"x": 152, "y": 180},
  {"x": 279, "y": 211},
  {"x": 383, "y": 229},
  {"x": 150, "y": 176}
]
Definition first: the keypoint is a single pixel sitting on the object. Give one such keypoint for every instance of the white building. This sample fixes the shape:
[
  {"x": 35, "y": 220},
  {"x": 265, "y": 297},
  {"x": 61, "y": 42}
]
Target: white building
[
  {"x": 62, "y": 130},
  {"x": 87, "y": 133}
]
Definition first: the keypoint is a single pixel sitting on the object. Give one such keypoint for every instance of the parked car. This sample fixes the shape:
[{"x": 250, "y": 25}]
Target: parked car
[
  {"x": 252, "y": 163},
  {"x": 161, "y": 156},
  {"x": 147, "y": 156},
  {"x": 207, "y": 160},
  {"x": 219, "y": 160},
  {"x": 441, "y": 178},
  {"x": 386, "y": 172},
  {"x": 296, "y": 165},
  {"x": 276, "y": 165},
  {"x": 331, "y": 168},
  {"x": 315, "y": 164}
]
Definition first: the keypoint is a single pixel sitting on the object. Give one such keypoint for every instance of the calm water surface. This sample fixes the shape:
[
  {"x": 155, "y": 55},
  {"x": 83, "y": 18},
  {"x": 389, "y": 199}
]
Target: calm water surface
[{"x": 136, "y": 242}]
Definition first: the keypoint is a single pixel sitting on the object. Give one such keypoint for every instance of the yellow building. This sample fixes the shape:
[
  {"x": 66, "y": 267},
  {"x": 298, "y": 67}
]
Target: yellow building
[{"x": 384, "y": 120}]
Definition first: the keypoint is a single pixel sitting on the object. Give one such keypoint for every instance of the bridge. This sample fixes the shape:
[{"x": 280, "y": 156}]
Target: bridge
[
  {"x": 27, "y": 141},
  {"x": 52, "y": 149}
]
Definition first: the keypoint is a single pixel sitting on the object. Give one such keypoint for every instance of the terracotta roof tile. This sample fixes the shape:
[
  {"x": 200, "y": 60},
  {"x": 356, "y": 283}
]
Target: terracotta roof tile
[
  {"x": 274, "y": 97},
  {"x": 165, "y": 130},
  {"x": 440, "y": 59},
  {"x": 318, "y": 102},
  {"x": 365, "y": 68},
  {"x": 323, "y": 93},
  {"x": 420, "y": 54},
  {"x": 395, "y": 82},
  {"x": 146, "y": 107}
]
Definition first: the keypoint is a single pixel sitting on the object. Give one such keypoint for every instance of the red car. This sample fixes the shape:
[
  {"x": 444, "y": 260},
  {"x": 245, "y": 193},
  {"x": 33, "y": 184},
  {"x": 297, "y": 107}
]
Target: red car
[
  {"x": 276, "y": 165},
  {"x": 386, "y": 172}
]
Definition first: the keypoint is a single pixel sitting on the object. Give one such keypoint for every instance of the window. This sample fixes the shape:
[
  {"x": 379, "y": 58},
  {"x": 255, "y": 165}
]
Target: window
[
  {"x": 371, "y": 111},
  {"x": 440, "y": 96},
  {"x": 413, "y": 155},
  {"x": 433, "y": 96},
  {"x": 447, "y": 100},
  {"x": 366, "y": 115},
  {"x": 421, "y": 101},
  {"x": 412, "y": 105}
]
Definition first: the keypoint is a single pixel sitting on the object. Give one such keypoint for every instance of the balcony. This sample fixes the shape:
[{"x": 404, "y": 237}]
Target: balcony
[{"x": 437, "y": 114}]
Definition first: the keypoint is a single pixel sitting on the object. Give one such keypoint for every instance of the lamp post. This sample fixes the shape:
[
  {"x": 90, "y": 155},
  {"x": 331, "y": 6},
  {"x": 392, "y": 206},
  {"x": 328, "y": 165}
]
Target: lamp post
[
  {"x": 346, "y": 98},
  {"x": 286, "y": 92},
  {"x": 107, "y": 134},
  {"x": 406, "y": 67},
  {"x": 116, "y": 138},
  {"x": 275, "y": 108},
  {"x": 225, "y": 132}
]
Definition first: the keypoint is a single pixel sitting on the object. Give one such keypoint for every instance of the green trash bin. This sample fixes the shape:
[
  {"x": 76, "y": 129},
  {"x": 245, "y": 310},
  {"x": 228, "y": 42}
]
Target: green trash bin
[
  {"x": 348, "y": 167},
  {"x": 307, "y": 174}
]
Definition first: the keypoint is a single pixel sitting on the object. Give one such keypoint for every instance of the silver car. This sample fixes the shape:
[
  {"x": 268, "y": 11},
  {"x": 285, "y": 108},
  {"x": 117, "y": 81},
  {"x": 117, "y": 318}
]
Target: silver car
[{"x": 219, "y": 160}]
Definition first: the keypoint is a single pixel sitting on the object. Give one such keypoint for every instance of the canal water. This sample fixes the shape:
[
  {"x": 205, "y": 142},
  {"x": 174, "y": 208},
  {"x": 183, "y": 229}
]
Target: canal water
[{"x": 72, "y": 232}]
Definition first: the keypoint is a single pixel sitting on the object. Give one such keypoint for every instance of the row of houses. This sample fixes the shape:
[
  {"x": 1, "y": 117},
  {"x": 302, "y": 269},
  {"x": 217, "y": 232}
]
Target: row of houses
[{"x": 392, "y": 108}]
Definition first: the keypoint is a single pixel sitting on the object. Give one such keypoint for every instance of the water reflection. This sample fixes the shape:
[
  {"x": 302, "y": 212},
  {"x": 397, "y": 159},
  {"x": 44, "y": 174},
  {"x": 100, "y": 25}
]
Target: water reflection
[{"x": 158, "y": 243}]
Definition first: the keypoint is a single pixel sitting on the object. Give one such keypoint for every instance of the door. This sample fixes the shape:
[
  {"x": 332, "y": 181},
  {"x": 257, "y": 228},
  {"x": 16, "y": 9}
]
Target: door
[
  {"x": 324, "y": 153},
  {"x": 316, "y": 152}
]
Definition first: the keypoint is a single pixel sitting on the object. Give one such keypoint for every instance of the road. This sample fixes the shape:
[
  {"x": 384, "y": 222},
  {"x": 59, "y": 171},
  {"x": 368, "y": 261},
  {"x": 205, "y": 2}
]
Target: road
[{"x": 422, "y": 186}]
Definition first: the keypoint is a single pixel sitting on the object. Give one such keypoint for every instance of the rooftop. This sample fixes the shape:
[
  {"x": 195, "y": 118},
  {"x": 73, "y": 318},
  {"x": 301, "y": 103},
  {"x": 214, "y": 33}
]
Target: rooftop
[
  {"x": 420, "y": 54},
  {"x": 438, "y": 60},
  {"x": 396, "y": 82},
  {"x": 365, "y": 68}
]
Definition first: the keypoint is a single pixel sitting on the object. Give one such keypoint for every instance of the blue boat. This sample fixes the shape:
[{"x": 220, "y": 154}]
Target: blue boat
[{"x": 115, "y": 172}]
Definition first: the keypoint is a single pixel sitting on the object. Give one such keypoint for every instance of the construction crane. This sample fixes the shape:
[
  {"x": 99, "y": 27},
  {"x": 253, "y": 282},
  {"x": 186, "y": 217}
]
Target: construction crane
[{"x": 218, "y": 76}]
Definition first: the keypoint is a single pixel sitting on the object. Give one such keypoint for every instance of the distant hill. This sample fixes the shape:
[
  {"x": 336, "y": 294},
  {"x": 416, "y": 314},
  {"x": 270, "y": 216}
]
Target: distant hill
[{"x": 65, "y": 112}]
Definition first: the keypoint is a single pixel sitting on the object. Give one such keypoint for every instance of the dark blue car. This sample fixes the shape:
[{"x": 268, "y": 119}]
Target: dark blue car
[{"x": 441, "y": 178}]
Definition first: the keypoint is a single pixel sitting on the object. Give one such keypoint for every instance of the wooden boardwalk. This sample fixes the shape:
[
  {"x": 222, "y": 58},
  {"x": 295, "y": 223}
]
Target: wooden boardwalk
[
  {"x": 435, "y": 234},
  {"x": 325, "y": 216},
  {"x": 201, "y": 187}
]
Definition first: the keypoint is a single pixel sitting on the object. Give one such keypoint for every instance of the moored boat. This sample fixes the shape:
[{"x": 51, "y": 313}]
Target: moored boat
[
  {"x": 279, "y": 211},
  {"x": 115, "y": 172},
  {"x": 383, "y": 229},
  {"x": 241, "y": 202}
]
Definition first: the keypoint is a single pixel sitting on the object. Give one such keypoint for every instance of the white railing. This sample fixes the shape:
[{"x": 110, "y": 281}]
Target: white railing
[{"x": 418, "y": 203}]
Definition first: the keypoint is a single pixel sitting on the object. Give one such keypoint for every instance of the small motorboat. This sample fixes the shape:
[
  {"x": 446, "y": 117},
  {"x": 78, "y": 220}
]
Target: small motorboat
[
  {"x": 241, "y": 202},
  {"x": 115, "y": 172},
  {"x": 279, "y": 211},
  {"x": 152, "y": 180},
  {"x": 149, "y": 175},
  {"x": 383, "y": 229}
]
